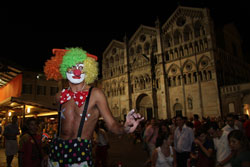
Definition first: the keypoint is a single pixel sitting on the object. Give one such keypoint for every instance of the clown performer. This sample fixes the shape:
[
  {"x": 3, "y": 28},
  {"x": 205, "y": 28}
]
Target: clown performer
[{"x": 81, "y": 105}]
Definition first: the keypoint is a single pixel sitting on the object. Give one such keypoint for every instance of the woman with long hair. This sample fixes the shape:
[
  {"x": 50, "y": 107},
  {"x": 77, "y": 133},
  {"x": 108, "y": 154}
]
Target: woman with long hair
[{"x": 240, "y": 146}]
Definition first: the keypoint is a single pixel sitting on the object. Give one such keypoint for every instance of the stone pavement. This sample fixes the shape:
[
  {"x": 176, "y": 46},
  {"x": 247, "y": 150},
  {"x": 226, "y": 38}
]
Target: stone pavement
[
  {"x": 3, "y": 159},
  {"x": 121, "y": 149}
]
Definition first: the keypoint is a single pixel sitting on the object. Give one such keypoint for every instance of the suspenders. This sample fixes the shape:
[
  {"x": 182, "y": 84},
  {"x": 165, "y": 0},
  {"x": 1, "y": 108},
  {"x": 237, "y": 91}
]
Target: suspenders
[{"x": 83, "y": 115}]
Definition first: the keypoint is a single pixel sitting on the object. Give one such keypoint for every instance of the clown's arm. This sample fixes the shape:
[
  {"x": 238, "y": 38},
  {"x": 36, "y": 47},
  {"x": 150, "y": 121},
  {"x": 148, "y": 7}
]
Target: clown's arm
[{"x": 132, "y": 119}]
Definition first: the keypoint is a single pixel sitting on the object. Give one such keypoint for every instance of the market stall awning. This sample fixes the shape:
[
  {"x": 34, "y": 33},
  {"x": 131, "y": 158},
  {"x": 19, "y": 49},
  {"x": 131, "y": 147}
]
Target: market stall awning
[
  {"x": 17, "y": 106},
  {"x": 11, "y": 89},
  {"x": 7, "y": 74}
]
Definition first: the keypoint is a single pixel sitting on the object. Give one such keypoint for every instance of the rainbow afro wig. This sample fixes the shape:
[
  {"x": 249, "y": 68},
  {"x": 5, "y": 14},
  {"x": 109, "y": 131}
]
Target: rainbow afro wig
[{"x": 57, "y": 66}]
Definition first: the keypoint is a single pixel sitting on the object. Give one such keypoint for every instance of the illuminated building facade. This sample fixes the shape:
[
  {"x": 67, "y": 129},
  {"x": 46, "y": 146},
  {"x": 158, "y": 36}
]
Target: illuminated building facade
[{"x": 175, "y": 68}]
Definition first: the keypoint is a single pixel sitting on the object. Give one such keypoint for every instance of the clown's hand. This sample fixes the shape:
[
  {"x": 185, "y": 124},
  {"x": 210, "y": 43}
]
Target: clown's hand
[{"x": 132, "y": 121}]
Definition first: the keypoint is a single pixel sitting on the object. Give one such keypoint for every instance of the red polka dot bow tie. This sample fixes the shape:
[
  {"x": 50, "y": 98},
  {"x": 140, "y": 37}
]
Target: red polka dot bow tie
[{"x": 79, "y": 97}]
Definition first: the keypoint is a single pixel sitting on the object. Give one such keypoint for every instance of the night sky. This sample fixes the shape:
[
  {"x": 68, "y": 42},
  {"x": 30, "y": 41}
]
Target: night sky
[{"x": 35, "y": 31}]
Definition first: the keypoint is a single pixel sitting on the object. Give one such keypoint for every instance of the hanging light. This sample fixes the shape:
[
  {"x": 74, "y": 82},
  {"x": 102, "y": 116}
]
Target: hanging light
[{"x": 28, "y": 110}]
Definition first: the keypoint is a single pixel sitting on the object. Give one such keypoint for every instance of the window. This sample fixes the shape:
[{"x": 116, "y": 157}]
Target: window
[
  {"x": 167, "y": 57},
  {"x": 231, "y": 108},
  {"x": 142, "y": 38},
  {"x": 197, "y": 28},
  {"x": 177, "y": 37},
  {"x": 27, "y": 89},
  {"x": 41, "y": 90},
  {"x": 138, "y": 49},
  {"x": 53, "y": 91},
  {"x": 167, "y": 41},
  {"x": 187, "y": 33},
  {"x": 146, "y": 48}
]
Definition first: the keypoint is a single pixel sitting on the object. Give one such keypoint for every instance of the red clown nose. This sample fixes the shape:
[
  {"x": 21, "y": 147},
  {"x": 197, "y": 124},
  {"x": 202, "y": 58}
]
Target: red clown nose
[{"x": 77, "y": 72}]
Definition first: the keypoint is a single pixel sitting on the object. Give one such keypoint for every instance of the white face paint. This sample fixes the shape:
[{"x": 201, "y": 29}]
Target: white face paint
[
  {"x": 75, "y": 80},
  {"x": 72, "y": 77}
]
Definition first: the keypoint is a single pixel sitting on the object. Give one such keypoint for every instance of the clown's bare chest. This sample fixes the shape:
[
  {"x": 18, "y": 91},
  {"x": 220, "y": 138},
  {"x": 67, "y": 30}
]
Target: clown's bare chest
[
  {"x": 71, "y": 115},
  {"x": 71, "y": 111}
]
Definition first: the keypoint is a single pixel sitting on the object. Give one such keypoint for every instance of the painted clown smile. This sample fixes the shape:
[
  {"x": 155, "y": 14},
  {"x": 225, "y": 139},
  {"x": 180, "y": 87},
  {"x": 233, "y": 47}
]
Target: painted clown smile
[{"x": 75, "y": 75}]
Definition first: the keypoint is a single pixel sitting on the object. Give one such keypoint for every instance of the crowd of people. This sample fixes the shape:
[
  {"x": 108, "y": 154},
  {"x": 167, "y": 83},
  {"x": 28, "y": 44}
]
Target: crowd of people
[
  {"x": 175, "y": 142},
  {"x": 193, "y": 143}
]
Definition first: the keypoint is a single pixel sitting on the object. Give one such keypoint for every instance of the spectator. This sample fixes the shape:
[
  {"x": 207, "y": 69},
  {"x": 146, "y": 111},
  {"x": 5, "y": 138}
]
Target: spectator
[
  {"x": 173, "y": 125},
  {"x": 102, "y": 145},
  {"x": 151, "y": 134},
  {"x": 237, "y": 122},
  {"x": 246, "y": 126},
  {"x": 183, "y": 139},
  {"x": 164, "y": 153},
  {"x": 221, "y": 123},
  {"x": 30, "y": 146},
  {"x": 10, "y": 133},
  {"x": 202, "y": 149},
  {"x": 163, "y": 127},
  {"x": 197, "y": 123},
  {"x": 223, "y": 151},
  {"x": 230, "y": 123},
  {"x": 240, "y": 146}
]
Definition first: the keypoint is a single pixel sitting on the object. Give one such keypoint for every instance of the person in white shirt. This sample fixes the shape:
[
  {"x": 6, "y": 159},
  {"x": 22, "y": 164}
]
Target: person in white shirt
[
  {"x": 163, "y": 155},
  {"x": 223, "y": 151},
  {"x": 183, "y": 139},
  {"x": 230, "y": 124}
]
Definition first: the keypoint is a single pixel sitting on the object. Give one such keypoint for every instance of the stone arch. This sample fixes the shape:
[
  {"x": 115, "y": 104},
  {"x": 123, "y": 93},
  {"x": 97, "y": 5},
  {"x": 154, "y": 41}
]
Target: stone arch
[
  {"x": 204, "y": 57},
  {"x": 172, "y": 66},
  {"x": 177, "y": 108},
  {"x": 144, "y": 105},
  {"x": 187, "y": 62}
]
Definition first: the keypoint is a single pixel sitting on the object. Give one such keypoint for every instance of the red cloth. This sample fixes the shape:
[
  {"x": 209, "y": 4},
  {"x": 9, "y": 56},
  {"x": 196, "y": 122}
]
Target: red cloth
[
  {"x": 79, "y": 97},
  {"x": 12, "y": 89},
  {"x": 30, "y": 153},
  {"x": 197, "y": 124},
  {"x": 246, "y": 127}
]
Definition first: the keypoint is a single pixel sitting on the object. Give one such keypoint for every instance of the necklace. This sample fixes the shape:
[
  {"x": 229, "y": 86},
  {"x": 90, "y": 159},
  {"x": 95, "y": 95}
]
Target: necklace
[{"x": 77, "y": 91}]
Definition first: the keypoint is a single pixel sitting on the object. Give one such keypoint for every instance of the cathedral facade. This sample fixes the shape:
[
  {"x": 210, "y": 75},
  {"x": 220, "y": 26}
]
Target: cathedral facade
[{"x": 176, "y": 68}]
